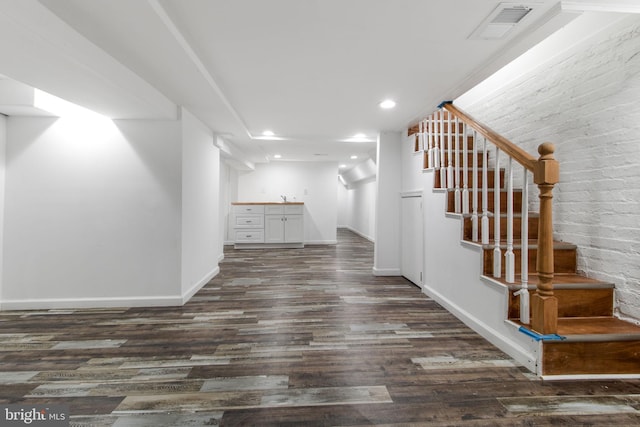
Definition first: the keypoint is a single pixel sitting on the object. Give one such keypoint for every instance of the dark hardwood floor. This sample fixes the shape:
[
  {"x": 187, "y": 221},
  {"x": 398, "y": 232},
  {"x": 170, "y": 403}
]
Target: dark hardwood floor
[{"x": 289, "y": 337}]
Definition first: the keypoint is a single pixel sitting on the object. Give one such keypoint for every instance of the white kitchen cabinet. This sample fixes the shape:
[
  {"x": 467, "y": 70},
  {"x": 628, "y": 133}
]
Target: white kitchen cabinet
[
  {"x": 284, "y": 224},
  {"x": 248, "y": 224},
  {"x": 272, "y": 225}
]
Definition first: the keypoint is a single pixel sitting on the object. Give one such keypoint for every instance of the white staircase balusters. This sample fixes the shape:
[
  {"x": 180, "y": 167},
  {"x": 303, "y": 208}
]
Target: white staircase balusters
[
  {"x": 429, "y": 143},
  {"x": 465, "y": 169},
  {"x": 456, "y": 162},
  {"x": 449, "y": 153},
  {"x": 443, "y": 170},
  {"x": 524, "y": 289},
  {"x": 509, "y": 257},
  {"x": 474, "y": 215},
  {"x": 420, "y": 136},
  {"x": 485, "y": 194},
  {"x": 497, "y": 253},
  {"x": 436, "y": 145}
]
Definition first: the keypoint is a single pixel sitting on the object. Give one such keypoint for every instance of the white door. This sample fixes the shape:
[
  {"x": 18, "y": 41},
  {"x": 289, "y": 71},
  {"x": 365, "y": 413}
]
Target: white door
[{"x": 412, "y": 249}]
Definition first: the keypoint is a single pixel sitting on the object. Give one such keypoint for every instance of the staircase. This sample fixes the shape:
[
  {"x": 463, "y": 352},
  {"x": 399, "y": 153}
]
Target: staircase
[{"x": 574, "y": 324}]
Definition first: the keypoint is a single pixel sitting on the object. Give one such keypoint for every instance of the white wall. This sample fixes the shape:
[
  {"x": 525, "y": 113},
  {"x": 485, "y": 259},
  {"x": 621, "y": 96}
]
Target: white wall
[
  {"x": 343, "y": 207},
  {"x": 313, "y": 183},
  {"x": 3, "y": 147},
  {"x": 361, "y": 208},
  {"x": 229, "y": 194},
  {"x": 386, "y": 257},
  {"x": 201, "y": 240},
  {"x": 586, "y": 102},
  {"x": 412, "y": 166},
  {"x": 92, "y": 216}
]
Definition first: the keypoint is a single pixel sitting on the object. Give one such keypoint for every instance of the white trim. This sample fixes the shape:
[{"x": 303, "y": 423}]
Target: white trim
[
  {"x": 386, "y": 271},
  {"x": 321, "y": 242},
  {"x": 519, "y": 353},
  {"x": 590, "y": 377},
  {"x": 411, "y": 193},
  {"x": 75, "y": 303},
  {"x": 353, "y": 230},
  {"x": 186, "y": 296},
  {"x": 120, "y": 302},
  {"x": 602, "y": 6}
]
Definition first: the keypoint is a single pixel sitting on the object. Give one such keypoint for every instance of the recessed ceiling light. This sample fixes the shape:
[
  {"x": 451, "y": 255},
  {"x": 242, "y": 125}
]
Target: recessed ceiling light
[
  {"x": 342, "y": 166},
  {"x": 277, "y": 156},
  {"x": 268, "y": 133},
  {"x": 359, "y": 135},
  {"x": 354, "y": 157},
  {"x": 387, "y": 104}
]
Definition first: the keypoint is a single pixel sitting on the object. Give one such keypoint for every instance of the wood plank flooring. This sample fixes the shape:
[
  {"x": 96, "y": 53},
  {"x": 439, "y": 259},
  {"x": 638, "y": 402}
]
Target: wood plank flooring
[{"x": 287, "y": 338}]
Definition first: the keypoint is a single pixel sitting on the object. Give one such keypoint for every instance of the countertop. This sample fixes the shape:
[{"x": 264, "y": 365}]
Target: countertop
[{"x": 267, "y": 203}]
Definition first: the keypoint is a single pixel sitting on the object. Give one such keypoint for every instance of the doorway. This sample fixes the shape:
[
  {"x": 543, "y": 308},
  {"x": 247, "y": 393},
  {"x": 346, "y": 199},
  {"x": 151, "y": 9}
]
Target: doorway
[{"x": 411, "y": 244}]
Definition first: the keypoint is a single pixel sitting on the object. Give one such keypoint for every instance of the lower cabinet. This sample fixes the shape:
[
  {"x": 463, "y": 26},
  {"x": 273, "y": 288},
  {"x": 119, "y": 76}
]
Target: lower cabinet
[
  {"x": 268, "y": 225},
  {"x": 284, "y": 224},
  {"x": 283, "y": 228}
]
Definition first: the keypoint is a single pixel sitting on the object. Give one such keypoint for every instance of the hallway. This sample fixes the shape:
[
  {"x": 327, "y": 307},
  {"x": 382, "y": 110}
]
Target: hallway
[{"x": 288, "y": 337}]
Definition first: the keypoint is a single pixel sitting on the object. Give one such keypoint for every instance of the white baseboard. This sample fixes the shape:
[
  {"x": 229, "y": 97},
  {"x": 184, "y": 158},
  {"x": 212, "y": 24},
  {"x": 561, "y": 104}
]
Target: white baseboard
[
  {"x": 321, "y": 242},
  {"x": 353, "y": 230},
  {"x": 74, "y": 303},
  {"x": 117, "y": 302},
  {"x": 386, "y": 271},
  {"x": 519, "y": 353},
  {"x": 186, "y": 296}
]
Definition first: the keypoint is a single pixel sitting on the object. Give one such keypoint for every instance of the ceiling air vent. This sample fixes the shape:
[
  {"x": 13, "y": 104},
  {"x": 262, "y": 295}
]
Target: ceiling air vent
[{"x": 501, "y": 21}]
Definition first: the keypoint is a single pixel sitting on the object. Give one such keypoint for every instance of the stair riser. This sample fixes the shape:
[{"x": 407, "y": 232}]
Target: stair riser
[
  {"x": 564, "y": 261},
  {"x": 452, "y": 141},
  {"x": 461, "y": 160},
  {"x": 517, "y": 228},
  {"x": 436, "y": 126},
  {"x": 591, "y": 358},
  {"x": 490, "y": 179},
  {"x": 573, "y": 303},
  {"x": 517, "y": 201}
]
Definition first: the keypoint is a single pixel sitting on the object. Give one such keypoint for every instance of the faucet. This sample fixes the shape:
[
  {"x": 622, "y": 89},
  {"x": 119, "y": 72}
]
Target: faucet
[{"x": 284, "y": 198}]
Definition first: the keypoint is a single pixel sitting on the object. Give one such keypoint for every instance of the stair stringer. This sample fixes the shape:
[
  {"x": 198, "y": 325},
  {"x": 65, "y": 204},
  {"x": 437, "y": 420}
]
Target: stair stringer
[{"x": 461, "y": 291}]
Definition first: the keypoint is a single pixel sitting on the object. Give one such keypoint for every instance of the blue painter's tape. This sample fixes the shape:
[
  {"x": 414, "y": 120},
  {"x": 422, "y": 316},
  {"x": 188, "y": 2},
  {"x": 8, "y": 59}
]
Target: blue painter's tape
[
  {"x": 443, "y": 103},
  {"x": 539, "y": 337}
]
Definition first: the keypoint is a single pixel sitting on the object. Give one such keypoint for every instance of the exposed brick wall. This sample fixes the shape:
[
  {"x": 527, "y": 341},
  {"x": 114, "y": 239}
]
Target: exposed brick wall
[{"x": 588, "y": 103}]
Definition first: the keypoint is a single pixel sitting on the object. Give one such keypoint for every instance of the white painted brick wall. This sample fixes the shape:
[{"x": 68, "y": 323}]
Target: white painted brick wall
[{"x": 588, "y": 104}]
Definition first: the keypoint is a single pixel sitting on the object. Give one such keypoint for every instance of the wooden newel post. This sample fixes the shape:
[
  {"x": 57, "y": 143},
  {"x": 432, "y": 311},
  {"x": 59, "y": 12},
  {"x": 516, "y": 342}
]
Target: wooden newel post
[{"x": 544, "y": 305}]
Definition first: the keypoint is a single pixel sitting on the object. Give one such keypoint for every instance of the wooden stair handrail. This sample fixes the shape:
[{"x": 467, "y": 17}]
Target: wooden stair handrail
[
  {"x": 546, "y": 173},
  {"x": 506, "y": 146}
]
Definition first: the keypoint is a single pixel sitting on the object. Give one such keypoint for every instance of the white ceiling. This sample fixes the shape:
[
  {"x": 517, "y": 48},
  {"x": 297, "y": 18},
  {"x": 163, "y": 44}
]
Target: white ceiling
[{"x": 312, "y": 71}]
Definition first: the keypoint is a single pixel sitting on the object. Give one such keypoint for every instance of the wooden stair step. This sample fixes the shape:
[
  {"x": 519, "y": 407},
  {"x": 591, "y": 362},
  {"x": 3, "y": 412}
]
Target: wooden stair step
[
  {"x": 415, "y": 129},
  {"x": 577, "y": 295},
  {"x": 572, "y": 327},
  {"x": 517, "y": 200},
  {"x": 490, "y": 178},
  {"x": 460, "y": 159},
  {"x": 560, "y": 281},
  {"x": 467, "y": 231},
  {"x": 470, "y": 143},
  {"x": 593, "y": 346},
  {"x": 564, "y": 257}
]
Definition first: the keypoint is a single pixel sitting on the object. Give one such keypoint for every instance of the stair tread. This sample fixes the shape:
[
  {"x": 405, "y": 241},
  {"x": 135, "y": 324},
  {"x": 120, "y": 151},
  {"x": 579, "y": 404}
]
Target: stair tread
[
  {"x": 596, "y": 326},
  {"x": 533, "y": 244},
  {"x": 560, "y": 280},
  {"x": 574, "y": 327}
]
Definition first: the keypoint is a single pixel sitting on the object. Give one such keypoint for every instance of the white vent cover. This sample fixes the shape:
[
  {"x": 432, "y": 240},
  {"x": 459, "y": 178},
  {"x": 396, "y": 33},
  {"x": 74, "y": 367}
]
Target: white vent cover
[{"x": 501, "y": 21}]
